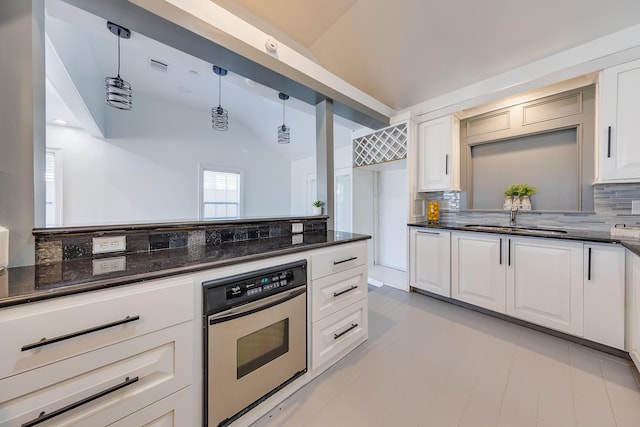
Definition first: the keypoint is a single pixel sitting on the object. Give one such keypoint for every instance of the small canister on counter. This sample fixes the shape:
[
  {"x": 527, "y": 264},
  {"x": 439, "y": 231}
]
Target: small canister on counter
[{"x": 433, "y": 212}]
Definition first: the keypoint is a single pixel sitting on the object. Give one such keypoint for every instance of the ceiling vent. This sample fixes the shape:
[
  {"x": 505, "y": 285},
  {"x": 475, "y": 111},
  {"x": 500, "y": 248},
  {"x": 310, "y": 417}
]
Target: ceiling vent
[{"x": 158, "y": 65}]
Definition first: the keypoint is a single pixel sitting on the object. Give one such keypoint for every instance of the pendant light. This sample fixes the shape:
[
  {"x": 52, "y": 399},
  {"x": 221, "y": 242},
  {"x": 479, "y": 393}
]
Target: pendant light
[
  {"x": 219, "y": 116},
  {"x": 118, "y": 92},
  {"x": 284, "y": 132}
]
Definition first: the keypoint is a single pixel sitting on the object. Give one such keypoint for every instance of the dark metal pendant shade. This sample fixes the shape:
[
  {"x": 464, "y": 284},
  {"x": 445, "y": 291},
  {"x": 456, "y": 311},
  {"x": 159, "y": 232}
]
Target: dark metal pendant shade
[
  {"x": 118, "y": 92},
  {"x": 284, "y": 131},
  {"x": 219, "y": 116}
]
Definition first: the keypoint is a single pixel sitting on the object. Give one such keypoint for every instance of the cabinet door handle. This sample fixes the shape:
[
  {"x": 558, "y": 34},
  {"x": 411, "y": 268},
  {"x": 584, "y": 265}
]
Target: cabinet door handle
[
  {"x": 344, "y": 291},
  {"x": 589, "y": 266},
  {"x": 609, "y": 142},
  {"x": 44, "y": 416},
  {"x": 345, "y": 260},
  {"x": 509, "y": 261},
  {"x": 500, "y": 250},
  {"x": 46, "y": 341},
  {"x": 350, "y": 328},
  {"x": 446, "y": 164},
  {"x": 429, "y": 232}
]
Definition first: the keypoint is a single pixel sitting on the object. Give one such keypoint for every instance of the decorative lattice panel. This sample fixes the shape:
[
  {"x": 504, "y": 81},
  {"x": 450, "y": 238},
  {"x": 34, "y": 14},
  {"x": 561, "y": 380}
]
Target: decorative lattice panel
[{"x": 381, "y": 146}]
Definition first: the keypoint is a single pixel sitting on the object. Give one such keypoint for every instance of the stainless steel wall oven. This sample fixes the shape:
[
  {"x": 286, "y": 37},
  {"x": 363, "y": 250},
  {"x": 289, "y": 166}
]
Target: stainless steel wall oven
[{"x": 255, "y": 338}]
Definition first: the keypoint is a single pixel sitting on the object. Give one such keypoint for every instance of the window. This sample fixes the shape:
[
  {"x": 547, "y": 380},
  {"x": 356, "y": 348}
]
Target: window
[
  {"x": 53, "y": 187},
  {"x": 220, "y": 194}
]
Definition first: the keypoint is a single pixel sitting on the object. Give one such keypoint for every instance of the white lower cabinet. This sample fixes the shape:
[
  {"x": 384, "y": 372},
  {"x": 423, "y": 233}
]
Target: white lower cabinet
[
  {"x": 604, "y": 294},
  {"x": 478, "y": 270},
  {"x": 172, "y": 411},
  {"x": 88, "y": 370},
  {"x": 632, "y": 344},
  {"x": 339, "y": 333},
  {"x": 339, "y": 309},
  {"x": 429, "y": 260},
  {"x": 571, "y": 286},
  {"x": 544, "y": 283}
]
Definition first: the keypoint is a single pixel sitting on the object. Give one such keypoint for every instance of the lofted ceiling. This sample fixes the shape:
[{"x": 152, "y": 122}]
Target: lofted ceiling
[
  {"x": 188, "y": 81},
  {"x": 408, "y": 51}
]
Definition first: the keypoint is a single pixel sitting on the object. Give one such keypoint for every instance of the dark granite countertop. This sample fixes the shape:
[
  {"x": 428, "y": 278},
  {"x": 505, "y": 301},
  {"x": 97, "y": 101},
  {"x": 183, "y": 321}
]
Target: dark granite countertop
[
  {"x": 571, "y": 234},
  {"x": 21, "y": 285}
]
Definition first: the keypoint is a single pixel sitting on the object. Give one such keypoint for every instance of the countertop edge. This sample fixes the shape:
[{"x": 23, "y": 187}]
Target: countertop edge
[
  {"x": 169, "y": 272},
  {"x": 572, "y": 234}
]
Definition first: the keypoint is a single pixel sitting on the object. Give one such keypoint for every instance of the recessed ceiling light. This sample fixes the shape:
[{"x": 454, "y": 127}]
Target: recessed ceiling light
[{"x": 60, "y": 122}]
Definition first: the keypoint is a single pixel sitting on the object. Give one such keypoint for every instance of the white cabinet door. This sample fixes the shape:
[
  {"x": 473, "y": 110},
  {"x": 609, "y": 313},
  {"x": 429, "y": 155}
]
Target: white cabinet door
[
  {"x": 544, "y": 283},
  {"x": 633, "y": 308},
  {"x": 478, "y": 269},
  {"x": 430, "y": 260},
  {"x": 172, "y": 411},
  {"x": 619, "y": 151},
  {"x": 438, "y": 158},
  {"x": 604, "y": 287}
]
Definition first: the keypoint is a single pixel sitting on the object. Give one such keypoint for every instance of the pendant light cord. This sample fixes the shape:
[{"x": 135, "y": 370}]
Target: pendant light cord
[
  {"x": 118, "y": 52},
  {"x": 219, "y": 91},
  {"x": 283, "y": 112}
]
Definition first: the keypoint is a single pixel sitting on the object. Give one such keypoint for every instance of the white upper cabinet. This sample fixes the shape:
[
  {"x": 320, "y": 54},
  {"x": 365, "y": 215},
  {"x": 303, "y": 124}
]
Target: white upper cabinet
[
  {"x": 619, "y": 148},
  {"x": 438, "y": 154}
]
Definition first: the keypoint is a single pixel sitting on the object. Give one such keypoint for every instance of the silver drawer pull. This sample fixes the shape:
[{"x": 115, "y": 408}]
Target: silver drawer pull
[
  {"x": 428, "y": 232},
  {"x": 350, "y": 328},
  {"x": 44, "y": 416},
  {"x": 45, "y": 341},
  {"x": 344, "y": 291},
  {"x": 345, "y": 260}
]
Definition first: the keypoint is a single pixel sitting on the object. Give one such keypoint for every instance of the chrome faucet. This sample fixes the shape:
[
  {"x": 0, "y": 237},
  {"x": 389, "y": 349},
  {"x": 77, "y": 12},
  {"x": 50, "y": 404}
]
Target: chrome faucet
[{"x": 514, "y": 213}]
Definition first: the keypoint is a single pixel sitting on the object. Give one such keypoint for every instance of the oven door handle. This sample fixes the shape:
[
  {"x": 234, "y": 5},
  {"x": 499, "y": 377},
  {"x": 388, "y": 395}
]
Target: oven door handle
[{"x": 258, "y": 305}]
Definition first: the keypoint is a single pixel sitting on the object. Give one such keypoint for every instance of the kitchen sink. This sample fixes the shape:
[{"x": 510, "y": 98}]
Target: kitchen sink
[{"x": 516, "y": 229}]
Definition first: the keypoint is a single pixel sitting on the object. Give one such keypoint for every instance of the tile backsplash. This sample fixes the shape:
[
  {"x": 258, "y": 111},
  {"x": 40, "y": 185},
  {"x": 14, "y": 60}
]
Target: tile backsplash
[
  {"x": 612, "y": 205},
  {"x": 65, "y": 245}
]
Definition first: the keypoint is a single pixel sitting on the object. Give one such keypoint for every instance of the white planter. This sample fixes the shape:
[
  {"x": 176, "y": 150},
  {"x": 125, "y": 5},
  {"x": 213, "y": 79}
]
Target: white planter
[{"x": 317, "y": 210}]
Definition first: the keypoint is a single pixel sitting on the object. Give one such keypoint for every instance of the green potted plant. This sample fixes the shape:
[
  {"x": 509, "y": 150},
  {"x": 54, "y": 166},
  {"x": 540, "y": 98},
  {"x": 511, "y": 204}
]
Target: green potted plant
[
  {"x": 511, "y": 197},
  {"x": 526, "y": 191},
  {"x": 317, "y": 207}
]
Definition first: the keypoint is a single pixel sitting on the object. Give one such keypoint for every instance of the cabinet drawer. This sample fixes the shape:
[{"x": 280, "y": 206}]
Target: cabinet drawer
[
  {"x": 173, "y": 411},
  {"x": 100, "y": 318},
  {"x": 123, "y": 378},
  {"x": 335, "y": 292},
  {"x": 337, "y": 334},
  {"x": 338, "y": 258}
]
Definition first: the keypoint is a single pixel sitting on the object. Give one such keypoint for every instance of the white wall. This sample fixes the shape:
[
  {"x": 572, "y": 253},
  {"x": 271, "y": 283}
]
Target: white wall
[
  {"x": 391, "y": 208},
  {"x": 147, "y": 170},
  {"x": 303, "y": 169}
]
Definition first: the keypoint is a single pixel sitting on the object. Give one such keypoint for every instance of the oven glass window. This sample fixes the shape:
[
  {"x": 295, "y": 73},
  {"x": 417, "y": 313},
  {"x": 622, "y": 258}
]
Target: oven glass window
[{"x": 262, "y": 346}]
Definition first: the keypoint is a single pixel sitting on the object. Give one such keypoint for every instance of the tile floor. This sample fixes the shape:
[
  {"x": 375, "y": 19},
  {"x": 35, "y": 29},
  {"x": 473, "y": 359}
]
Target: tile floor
[{"x": 430, "y": 363}]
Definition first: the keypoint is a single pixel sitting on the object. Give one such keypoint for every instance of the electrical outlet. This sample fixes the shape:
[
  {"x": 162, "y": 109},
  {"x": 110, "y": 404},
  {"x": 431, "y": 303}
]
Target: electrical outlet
[
  {"x": 297, "y": 227},
  {"x": 635, "y": 207},
  {"x": 109, "y": 265},
  {"x": 103, "y": 245}
]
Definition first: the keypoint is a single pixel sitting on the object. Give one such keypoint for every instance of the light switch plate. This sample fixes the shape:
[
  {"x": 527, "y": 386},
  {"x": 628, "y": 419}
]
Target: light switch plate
[
  {"x": 103, "y": 245},
  {"x": 635, "y": 207},
  {"x": 109, "y": 265}
]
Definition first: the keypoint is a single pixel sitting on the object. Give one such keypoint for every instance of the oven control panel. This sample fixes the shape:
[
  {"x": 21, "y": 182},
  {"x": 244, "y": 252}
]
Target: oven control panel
[
  {"x": 221, "y": 294},
  {"x": 259, "y": 285}
]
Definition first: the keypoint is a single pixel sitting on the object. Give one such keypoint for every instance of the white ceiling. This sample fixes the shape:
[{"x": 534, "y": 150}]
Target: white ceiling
[{"x": 404, "y": 52}]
